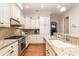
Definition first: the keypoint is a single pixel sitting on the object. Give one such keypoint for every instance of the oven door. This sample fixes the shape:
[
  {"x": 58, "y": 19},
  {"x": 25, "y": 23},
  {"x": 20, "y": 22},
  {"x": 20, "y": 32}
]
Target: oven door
[{"x": 23, "y": 44}]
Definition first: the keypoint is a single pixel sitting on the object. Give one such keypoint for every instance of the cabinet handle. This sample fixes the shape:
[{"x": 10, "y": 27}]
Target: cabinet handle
[
  {"x": 47, "y": 51},
  {"x": 11, "y": 46},
  {"x": 12, "y": 51}
]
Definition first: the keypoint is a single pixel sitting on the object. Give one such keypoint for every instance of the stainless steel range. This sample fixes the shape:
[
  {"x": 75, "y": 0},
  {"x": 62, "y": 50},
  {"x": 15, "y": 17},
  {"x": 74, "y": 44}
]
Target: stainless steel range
[{"x": 21, "y": 43}]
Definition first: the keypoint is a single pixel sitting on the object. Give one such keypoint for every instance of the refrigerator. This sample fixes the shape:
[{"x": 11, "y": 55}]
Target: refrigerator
[{"x": 53, "y": 27}]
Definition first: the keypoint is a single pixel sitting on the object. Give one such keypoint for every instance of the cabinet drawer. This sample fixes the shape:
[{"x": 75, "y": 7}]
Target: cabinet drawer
[
  {"x": 49, "y": 50},
  {"x": 14, "y": 47},
  {"x": 5, "y": 50},
  {"x": 10, "y": 50},
  {"x": 8, "y": 53}
]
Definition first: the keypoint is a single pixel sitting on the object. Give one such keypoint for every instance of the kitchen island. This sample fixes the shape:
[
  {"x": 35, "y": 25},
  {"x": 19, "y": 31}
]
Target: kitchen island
[{"x": 56, "y": 47}]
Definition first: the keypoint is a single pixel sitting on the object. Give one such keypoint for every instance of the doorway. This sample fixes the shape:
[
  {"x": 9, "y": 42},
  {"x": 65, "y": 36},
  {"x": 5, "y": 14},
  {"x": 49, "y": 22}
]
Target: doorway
[{"x": 66, "y": 24}]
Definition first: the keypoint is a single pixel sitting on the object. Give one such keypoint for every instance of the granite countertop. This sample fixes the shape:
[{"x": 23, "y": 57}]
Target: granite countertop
[
  {"x": 5, "y": 43},
  {"x": 74, "y": 35},
  {"x": 64, "y": 52}
]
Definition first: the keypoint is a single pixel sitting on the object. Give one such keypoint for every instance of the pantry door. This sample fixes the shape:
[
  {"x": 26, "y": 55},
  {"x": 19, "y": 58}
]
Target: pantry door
[{"x": 66, "y": 24}]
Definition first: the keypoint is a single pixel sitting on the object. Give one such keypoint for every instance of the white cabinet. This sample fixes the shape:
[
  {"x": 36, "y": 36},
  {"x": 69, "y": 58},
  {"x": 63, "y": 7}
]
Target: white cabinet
[
  {"x": 27, "y": 41},
  {"x": 16, "y": 13},
  {"x": 49, "y": 50},
  {"x": 14, "y": 51},
  {"x": 4, "y": 15},
  {"x": 27, "y": 23},
  {"x": 35, "y": 23},
  {"x": 32, "y": 23},
  {"x": 8, "y": 11},
  {"x": 45, "y": 26},
  {"x": 35, "y": 39},
  {"x": 11, "y": 50}
]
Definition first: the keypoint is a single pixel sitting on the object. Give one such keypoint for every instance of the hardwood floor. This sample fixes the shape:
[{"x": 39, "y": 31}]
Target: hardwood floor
[{"x": 35, "y": 50}]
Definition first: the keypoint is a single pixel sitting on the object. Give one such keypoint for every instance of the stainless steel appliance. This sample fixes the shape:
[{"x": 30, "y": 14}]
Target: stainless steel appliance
[
  {"x": 53, "y": 27},
  {"x": 21, "y": 43}
]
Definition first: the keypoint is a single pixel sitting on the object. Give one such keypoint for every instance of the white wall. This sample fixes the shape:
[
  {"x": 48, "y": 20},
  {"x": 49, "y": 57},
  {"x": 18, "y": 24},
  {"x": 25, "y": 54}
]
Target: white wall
[{"x": 73, "y": 19}]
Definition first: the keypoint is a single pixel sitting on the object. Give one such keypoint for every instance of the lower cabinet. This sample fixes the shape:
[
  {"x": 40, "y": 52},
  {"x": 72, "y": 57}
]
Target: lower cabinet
[
  {"x": 27, "y": 41},
  {"x": 35, "y": 38},
  {"x": 11, "y": 50},
  {"x": 49, "y": 50}
]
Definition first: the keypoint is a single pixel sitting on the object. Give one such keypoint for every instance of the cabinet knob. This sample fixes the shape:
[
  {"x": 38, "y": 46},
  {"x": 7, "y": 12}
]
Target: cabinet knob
[
  {"x": 11, "y": 46},
  {"x": 12, "y": 51},
  {"x": 47, "y": 51}
]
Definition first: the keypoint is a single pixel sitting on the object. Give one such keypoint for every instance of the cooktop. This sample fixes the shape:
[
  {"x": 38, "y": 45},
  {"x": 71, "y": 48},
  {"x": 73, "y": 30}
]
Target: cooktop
[{"x": 14, "y": 37}]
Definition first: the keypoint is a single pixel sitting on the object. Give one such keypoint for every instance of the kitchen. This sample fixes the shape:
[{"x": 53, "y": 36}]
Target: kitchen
[{"x": 39, "y": 29}]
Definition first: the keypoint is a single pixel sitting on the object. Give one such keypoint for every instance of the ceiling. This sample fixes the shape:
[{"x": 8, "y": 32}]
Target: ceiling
[{"x": 49, "y": 8}]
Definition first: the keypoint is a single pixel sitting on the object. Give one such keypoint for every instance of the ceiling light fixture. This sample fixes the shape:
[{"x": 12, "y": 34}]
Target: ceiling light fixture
[
  {"x": 58, "y": 6},
  {"x": 62, "y": 9},
  {"x": 27, "y": 6},
  {"x": 42, "y": 6}
]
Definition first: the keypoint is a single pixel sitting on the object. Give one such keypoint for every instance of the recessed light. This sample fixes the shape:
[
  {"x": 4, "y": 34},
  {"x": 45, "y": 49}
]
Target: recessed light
[
  {"x": 63, "y": 9},
  {"x": 42, "y": 6},
  {"x": 58, "y": 6},
  {"x": 27, "y": 6}
]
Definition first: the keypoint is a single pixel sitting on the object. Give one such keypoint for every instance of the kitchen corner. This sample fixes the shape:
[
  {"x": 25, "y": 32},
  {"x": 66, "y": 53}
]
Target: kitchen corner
[{"x": 16, "y": 37}]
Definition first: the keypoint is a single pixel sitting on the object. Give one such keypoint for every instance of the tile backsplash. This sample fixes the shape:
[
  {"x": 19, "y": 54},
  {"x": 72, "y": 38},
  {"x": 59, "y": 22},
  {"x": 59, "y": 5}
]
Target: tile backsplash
[
  {"x": 6, "y": 32},
  {"x": 68, "y": 38}
]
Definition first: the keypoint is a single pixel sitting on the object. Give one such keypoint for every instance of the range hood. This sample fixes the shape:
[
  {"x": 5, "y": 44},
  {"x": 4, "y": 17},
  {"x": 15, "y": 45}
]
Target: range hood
[{"x": 14, "y": 22}]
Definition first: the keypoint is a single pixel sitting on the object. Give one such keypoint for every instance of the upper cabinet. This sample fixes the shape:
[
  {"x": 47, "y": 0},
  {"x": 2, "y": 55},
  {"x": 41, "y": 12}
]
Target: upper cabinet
[
  {"x": 27, "y": 23},
  {"x": 45, "y": 26},
  {"x": 8, "y": 11},
  {"x": 16, "y": 13},
  {"x": 32, "y": 23},
  {"x": 35, "y": 23},
  {"x": 4, "y": 15}
]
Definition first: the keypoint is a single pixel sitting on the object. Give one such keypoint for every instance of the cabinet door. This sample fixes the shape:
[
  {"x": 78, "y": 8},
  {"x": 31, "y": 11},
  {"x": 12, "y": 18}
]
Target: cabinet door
[
  {"x": 11, "y": 50},
  {"x": 5, "y": 51},
  {"x": 27, "y": 24},
  {"x": 35, "y": 23},
  {"x": 27, "y": 41},
  {"x": 5, "y": 15},
  {"x": 14, "y": 47},
  {"x": 32, "y": 39},
  {"x": 39, "y": 39},
  {"x": 44, "y": 26},
  {"x": 16, "y": 12},
  {"x": 49, "y": 50},
  {"x": 36, "y": 39}
]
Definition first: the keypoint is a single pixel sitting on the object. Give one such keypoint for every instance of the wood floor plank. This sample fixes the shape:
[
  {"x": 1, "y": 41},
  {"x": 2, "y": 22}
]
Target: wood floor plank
[{"x": 35, "y": 50}]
